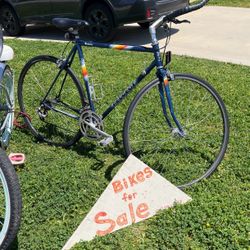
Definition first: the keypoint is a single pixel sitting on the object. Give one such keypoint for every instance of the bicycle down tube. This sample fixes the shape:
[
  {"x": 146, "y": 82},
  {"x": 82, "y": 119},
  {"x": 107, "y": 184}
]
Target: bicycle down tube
[{"x": 143, "y": 74}]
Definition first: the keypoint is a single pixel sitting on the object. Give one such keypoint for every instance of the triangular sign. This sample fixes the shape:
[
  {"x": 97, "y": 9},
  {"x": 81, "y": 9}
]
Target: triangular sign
[{"x": 136, "y": 193}]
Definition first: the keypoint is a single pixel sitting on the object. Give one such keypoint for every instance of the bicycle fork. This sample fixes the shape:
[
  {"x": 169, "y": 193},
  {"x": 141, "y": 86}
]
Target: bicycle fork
[{"x": 165, "y": 89}]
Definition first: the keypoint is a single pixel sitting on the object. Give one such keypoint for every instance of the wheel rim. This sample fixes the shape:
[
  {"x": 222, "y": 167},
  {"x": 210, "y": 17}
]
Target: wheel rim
[
  {"x": 8, "y": 21},
  {"x": 5, "y": 207},
  {"x": 99, "y": 24}
]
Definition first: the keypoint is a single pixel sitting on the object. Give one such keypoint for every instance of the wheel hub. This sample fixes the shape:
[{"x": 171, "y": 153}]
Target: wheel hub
[
  {"x": 42, "y": 112},
  {"x": 177, "y": 133}
]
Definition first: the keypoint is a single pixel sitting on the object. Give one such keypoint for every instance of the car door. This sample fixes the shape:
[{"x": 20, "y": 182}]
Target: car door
[
  {"x": 66, "y": 8},
  {"x": 33, "y": 10}
]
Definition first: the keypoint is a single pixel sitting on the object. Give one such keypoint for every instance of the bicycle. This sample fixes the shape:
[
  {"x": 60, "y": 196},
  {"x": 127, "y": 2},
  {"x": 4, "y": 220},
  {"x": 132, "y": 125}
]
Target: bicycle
[
  {"x": 10, "y": 193},
  {"x": 177, "y": 120}
]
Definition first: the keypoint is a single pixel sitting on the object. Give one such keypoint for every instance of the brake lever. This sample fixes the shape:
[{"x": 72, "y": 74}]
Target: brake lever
[{"x": 176, "y": 21}]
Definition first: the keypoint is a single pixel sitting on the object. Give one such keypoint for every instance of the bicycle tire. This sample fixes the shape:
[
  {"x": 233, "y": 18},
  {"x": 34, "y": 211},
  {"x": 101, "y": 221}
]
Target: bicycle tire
[
  {"x": 6, "y": 100},
  {"x": 11, "y": 201},
  {"x": 34, "y": 82},
  {"x": 183, "y": 161}
]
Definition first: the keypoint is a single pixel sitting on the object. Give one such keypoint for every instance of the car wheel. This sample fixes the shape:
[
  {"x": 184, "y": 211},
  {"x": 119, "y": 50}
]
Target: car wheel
[
  {"x": 10, "y": 21},
  {"x": 101, "y": 25},
  {"x": 145, "y": 25}
]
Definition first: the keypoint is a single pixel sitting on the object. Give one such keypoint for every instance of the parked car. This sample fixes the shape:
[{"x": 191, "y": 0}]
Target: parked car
[{"x": 104, "y": 16}]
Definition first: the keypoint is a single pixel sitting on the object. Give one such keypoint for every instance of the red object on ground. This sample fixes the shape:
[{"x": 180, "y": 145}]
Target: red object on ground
[
  {"x": 17, "y": 123},
  {"x": 17, "y": 158}
]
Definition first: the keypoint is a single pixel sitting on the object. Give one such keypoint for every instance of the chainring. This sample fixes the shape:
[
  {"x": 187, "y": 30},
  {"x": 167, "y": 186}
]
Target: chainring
[{"x": 92, "y": 118}]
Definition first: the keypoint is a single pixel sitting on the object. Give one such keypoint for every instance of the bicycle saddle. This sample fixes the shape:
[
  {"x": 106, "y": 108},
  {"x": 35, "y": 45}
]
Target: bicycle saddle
[
  {"x": 7, "y": 54},
  {"x": 67, "y": 23}
]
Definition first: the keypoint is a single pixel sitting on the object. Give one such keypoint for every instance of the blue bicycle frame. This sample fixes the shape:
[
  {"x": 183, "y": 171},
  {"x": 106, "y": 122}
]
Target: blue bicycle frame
[{"x": 161, "y": 74}]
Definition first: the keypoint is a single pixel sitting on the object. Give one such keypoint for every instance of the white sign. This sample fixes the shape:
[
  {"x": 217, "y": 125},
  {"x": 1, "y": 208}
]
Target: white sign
[{"x": 136, "y": 193}]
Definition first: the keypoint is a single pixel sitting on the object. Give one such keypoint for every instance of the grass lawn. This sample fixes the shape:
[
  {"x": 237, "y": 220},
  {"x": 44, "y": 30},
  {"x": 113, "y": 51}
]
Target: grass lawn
[
  {"x": 59, "y": 186},
  {"x": 231, "y": 3}
]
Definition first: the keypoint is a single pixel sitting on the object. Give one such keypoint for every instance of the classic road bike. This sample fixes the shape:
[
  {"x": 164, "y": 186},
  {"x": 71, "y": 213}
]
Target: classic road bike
[
  {"x": 177, "y": 123},
  {"x": 10, "y": 194}
]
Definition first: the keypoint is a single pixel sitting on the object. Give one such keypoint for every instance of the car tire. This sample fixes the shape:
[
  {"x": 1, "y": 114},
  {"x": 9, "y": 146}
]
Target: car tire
[
  {"x": 144, "y": 25},
  {"x": 10, "y": 21},
  {"x": 101, "y": 24}
]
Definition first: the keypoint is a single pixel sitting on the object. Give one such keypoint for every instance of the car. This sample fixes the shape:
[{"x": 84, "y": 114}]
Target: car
[{"x": 103, "y": 16}]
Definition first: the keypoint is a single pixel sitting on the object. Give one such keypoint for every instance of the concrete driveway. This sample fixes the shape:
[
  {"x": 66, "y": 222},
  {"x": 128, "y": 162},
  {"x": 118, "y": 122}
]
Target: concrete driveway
[{"x": 218, "y": 33}]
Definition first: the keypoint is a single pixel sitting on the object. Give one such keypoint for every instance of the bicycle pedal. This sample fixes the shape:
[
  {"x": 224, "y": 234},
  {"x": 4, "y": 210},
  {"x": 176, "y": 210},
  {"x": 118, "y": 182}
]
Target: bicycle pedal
[{"x": 107, "y": 140}]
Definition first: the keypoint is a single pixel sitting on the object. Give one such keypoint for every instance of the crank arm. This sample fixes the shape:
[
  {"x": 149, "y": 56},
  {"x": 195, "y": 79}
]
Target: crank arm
[{"x": 107, "y": 138}]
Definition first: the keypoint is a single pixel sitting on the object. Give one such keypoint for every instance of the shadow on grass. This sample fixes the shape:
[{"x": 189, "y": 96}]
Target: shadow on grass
[
  {"x": 108, "y": 173},
  {"x": 89, "y": 149},
  {"x": 14, "y": 245}
]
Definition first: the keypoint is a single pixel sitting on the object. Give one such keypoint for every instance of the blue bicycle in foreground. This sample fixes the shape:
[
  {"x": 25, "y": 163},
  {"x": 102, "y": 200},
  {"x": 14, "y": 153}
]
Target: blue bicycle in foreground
[
  {"x": 177, "y": 123},
  {"x": 10, "y": 193}
]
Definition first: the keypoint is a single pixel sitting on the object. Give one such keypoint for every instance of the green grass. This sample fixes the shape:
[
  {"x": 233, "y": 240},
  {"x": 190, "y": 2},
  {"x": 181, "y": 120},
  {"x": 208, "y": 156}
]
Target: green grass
[
  {"x": 231, "y": 3},
  {"x": 59, "y": 186},
  {"x": 228, "y": 3}
]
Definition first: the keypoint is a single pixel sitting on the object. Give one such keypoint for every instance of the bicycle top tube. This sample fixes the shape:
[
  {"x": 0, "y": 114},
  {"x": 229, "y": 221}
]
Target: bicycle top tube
[{"x": 114, "y": 46}]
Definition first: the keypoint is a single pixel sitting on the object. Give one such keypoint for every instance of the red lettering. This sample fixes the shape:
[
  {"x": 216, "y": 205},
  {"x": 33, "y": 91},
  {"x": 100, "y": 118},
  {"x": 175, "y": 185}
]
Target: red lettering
[
  {"x": 117, "y": 186},
  {"x": 142, "y": 211},
  {"x": 122, "y": 220},
  {"x": 148, "y": 172},
  {"x": 125, "y": 183},
  {"x": 104, "y": 221},
  {"x": 130, "y": 197},
  {"x": 140, "y": 176},
  {"x": 132, "y": 214},
  {"x": 132, "y": 180}
]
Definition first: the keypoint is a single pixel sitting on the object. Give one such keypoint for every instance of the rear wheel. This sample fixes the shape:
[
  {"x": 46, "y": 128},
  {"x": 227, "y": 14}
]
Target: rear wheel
[
  {"x": 183, "y": 160},
  {"x": 54, "y": 119},
  {"x": 101, "y": 24},
  {"x": 10, "y": 21},
  {"x": 10, "y": 202}
]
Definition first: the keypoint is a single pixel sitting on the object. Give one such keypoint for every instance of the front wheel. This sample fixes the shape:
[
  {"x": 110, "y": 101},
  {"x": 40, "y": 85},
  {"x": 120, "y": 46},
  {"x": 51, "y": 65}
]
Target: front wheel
[
  {"x": 10, "y": 202},
  {"x": 183, "y": 160}
]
